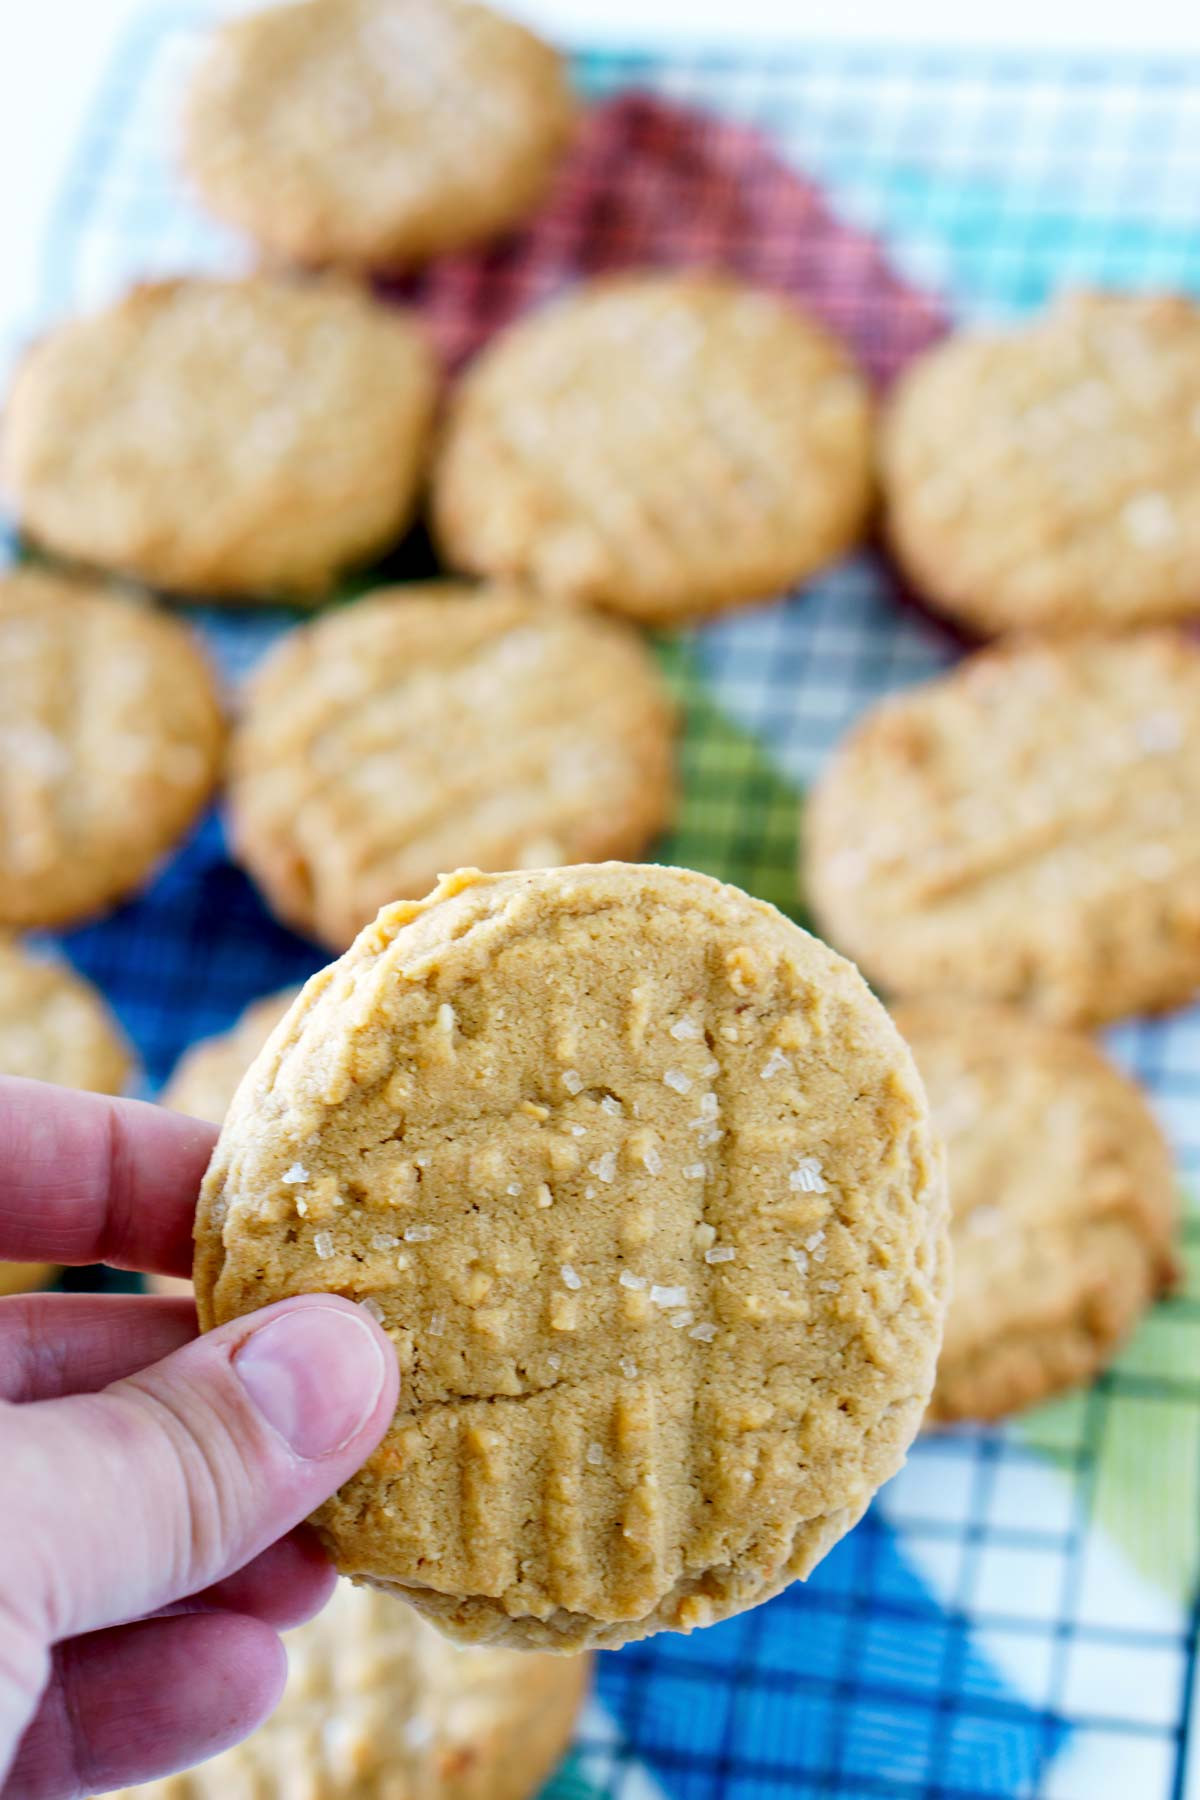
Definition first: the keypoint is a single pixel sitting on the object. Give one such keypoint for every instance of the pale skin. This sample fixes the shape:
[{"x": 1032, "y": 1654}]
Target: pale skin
[{"x": 152, "y": 1483}]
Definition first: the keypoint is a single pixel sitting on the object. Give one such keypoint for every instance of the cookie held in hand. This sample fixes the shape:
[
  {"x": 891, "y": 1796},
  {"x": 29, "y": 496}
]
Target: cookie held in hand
[{"x": 640, "y": 1180}]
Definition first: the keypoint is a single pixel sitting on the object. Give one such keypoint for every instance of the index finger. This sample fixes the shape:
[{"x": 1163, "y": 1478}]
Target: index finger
[{"x": 87, "y": 1179}]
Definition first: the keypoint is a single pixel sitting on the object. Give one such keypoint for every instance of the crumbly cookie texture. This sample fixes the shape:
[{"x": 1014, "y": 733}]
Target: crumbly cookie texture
[
  {"x": 55, "y": 1026},
  {"x": 1062, "y": 1196},
  {"x": 379, "y": 1707},
  {"x": 375, "y": 132},
  {"x": 206, "y": 1076},
  {"x": 662, "y": 445},
  {"x": 223, "y": 437},
  {"x": 1023, "y": 828},
  {"x": 640, "y": 1181},
  {"x": 110, "y": 740},
  {"x": 433, "y": 726},
  {"x": 1049, "y": 477}
]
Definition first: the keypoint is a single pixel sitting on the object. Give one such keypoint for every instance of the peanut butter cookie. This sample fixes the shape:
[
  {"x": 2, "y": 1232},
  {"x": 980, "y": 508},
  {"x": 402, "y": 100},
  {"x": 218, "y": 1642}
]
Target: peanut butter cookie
[
  {"x": 1024, "y": 828},
  {"x": 1049, "y": 477},
  {"x": 662, "y": 445},
  {"x": 379, "y": 1707},
  {"x": 222, "y": 437},
  {"x": 55, "y": 1026},
  {"x": 1062, "y": 1201},
  {"x": 206, "y": 1076},
  {"x": 110, "y": 739},
  {"x": 639, "y": 1179},
  {"x": 375, "y": 132},
  {"x": 431, "y": 726}
]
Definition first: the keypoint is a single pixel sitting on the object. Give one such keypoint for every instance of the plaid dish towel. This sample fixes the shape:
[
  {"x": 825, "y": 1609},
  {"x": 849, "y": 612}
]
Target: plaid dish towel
[{"x": 1017, "y": 1615}]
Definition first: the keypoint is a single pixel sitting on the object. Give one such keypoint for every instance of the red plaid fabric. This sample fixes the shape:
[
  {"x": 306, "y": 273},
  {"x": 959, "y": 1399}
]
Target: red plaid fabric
[{"x": 652, "y": 184}]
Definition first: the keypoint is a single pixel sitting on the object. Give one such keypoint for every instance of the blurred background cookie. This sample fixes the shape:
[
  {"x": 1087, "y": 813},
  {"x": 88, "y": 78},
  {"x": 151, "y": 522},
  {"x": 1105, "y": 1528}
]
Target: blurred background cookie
[
  {"x": 1026, "y": 828},
  {"x": 205, "y": 1078},
  {"x": 375, "y": 132},
  {"x": 54, "y": 1026},
  {"x": 1049, "y": 477},
  {"x": 110, "y": 740},
  {"x": 1062, "y": 1202},
  {"x": 430, "y": 727},
  {"x": 379, "y": 1707},
  {"x": 663, "y": 445},
  {"x": 222, "y": 437}
]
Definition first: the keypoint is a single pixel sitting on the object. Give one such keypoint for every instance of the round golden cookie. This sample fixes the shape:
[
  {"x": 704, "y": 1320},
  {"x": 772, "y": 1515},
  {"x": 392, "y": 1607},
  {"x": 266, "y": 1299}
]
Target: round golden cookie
[
  {"x": 379, "y": 1707},
  {"x": 663, "y": 445},
  {"x": 1024, "y": 828},
  {"x": 375, "y": 132},
  {"x": 222, "y": 437},
  {"x": 1062, "y": 1203},
  {"x": 640, "y": 1181},
  {"x": 110, "y": 740},
  {"x": 433, "y": 726},
  {"x": 55, "y": 1026},
  {"x": 206, "y": 1076},
  {"x": 1049, "y": 477}
]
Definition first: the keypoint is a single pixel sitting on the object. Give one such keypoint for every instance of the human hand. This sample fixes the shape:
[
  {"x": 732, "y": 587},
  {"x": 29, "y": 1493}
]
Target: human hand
[{"x": 150, "y": 1480}]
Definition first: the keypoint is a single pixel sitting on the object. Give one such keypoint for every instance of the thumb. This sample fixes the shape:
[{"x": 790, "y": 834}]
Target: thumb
[{"x": 121, "y": 1502}]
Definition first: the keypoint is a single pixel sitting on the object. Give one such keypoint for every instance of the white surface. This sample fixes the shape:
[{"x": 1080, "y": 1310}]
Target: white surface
[
  {"x": 1080, "y": 24},
  {"x": 53, "y": 51}
]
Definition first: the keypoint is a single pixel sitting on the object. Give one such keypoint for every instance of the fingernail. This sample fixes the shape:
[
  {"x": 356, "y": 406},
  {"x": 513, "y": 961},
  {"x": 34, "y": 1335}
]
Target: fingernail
[{"x": 315, "y": 1375}]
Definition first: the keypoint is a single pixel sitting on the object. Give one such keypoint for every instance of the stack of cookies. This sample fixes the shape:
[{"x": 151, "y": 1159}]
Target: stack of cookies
[{"x": 640, "y": 1179}]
